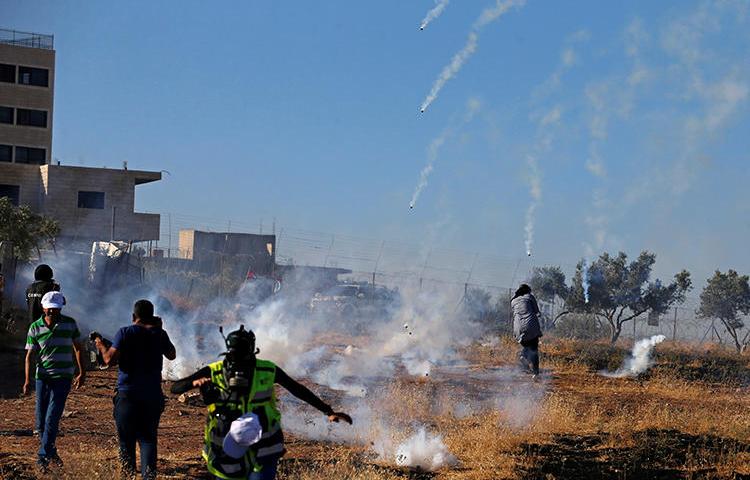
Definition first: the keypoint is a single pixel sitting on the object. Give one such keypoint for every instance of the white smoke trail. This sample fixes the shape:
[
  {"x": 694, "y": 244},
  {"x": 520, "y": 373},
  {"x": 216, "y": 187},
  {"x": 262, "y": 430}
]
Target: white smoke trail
[
  {"x": 640, "y": 358},
  {"x": 425, "y": 451},
  {"x": 432, "y": 152},
  {"x": 473, "y": 105},
  {"x": 434, "y": 13},
  {"x": 449, "y": 71},
  {"x": 535, "y": 189},
  {"x": 585, "y": 280}
]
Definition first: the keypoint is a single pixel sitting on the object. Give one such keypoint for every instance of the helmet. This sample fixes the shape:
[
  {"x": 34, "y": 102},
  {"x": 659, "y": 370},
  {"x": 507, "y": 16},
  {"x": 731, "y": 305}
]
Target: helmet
[
  {"x": 43, "y": 272},
  {"x": 241, "y": 343}
]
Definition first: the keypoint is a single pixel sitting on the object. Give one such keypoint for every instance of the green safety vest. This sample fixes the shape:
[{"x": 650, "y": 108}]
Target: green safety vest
[{"x": 260, "y": 400}]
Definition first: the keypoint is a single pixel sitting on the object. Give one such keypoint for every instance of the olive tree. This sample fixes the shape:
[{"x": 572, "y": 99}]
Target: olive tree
[
  {"x": 616, "y": 291},
  {"x": 548, "y": 285},
  {"x": 725, "y": 297},
  {"x": 29, "y": 232}
]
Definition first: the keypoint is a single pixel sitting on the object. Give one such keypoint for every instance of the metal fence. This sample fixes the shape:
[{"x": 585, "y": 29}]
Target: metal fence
[
  {"x": 26, "y": 39},
  {"x": 403, "y": 265}
]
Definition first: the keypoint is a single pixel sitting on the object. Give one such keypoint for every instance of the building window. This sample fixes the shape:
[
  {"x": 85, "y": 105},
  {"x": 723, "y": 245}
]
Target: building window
[
  {"x": 6, "y": 153},
  {"x": 34, "y": 156},
  {"x": 6, "y": 115},
  {"x": 7, "y": 73},
  {"x": 33, "y": 76},
  {"x": 32, "y": 118},
  {"x": 91, "y": 200},
  {"x": 13, "y": 192}
]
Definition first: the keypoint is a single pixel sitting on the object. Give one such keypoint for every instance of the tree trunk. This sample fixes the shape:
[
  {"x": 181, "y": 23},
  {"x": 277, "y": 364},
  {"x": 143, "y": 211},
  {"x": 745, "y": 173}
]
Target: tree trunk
[
  {"x": 732, "y": 333},
  {"x": 615, "y": 329}
]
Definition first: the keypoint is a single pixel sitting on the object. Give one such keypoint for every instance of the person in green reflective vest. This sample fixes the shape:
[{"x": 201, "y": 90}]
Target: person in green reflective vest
[{"x": 241, "y": 384}]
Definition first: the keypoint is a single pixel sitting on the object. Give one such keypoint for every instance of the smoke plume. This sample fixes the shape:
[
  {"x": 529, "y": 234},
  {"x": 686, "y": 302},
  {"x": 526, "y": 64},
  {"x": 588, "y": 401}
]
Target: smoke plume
[
  {"x": 473, "y": 106},
  {"x": 434, "y": 13},
  {"x": 535, "y": 190},
  {"x": 459, "y": 59},
  {"x": 640, "y": 358},
  {"x": 425, "y": 451},
  {"x": 585, "y": 281}
]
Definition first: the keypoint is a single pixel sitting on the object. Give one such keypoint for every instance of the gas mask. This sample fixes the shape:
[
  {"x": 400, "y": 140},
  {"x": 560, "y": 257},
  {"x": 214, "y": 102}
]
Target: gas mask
[{"x": 239, "y": 359}]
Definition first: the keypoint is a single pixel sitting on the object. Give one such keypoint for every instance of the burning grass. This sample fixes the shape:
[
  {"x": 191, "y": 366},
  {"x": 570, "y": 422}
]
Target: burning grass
[{"x": 684, "y": 418}]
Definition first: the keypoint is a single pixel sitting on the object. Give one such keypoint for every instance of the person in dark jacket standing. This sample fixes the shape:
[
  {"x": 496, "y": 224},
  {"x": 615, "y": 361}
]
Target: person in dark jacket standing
[
  {"x": 43, "y": 283},
  {"x": 138, "y": 401},
  {"x": 526, "y": 328}
]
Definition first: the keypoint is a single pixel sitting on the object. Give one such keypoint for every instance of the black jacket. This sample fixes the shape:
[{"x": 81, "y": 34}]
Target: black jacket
[{"x": 34, "y": 295}]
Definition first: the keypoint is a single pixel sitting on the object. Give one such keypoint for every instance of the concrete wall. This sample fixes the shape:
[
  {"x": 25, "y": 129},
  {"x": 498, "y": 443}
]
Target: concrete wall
[
  {"x": 28, "y": 96},
  {"x": 53, "y": 191},
  {"x": 60, "y": 201},
  {"x": 209, "y": 249},
  {"x": 28, "y": 178}
]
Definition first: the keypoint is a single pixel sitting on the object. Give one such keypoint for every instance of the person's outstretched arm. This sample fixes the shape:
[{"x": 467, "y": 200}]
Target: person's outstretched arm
[
  {"x": 306, "y": 395},
  {"x": 193, "y": 381}
]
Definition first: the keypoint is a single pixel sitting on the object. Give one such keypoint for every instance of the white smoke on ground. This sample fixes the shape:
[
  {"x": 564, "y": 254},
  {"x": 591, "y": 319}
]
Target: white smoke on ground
[
  {"x": 434, "y": 13},
  {"x": 488, "y": 16},
  {"x": 473, "y": 106},
  {"x": 640, "y": 358},
  {"x": 424, "y": 450},
  {"x": 420, "y": 336}
]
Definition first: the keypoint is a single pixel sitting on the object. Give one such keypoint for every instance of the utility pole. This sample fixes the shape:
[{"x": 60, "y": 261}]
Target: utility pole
[
  {"x": 169, "y": 248},
  {"x": 114, "y": 218},
  {"x": 674, "y": 325}
]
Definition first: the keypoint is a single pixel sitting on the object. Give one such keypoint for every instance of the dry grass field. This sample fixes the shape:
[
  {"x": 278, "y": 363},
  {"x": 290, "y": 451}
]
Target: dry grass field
[{"x": 687, "y": 417}]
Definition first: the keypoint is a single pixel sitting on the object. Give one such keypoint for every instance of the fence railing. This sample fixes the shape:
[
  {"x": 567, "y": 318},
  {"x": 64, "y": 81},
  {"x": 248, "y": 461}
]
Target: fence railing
[{"x": 27, "y": 39}]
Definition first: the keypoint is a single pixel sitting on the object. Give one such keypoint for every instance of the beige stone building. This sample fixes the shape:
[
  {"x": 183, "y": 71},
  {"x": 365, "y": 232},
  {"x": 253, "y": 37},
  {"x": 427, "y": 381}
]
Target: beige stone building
[
  {"x": 27, "y": 85},
  {"x": 91, "y": 204}
]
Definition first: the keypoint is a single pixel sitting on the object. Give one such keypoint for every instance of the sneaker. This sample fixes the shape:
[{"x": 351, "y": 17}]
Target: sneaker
[
  {"x": 56, "y": 461},
  {"x": 42, "y": 466}
]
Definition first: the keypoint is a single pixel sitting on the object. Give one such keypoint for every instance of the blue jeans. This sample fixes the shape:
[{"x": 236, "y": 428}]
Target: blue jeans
[
  {"x": 137, "y": 418},
  {"x": 50, "y": 403}
]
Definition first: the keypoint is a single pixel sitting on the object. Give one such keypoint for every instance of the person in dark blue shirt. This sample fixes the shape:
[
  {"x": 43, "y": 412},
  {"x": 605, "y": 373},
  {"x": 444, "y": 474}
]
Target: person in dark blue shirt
[{"x": 138, "y": 401}]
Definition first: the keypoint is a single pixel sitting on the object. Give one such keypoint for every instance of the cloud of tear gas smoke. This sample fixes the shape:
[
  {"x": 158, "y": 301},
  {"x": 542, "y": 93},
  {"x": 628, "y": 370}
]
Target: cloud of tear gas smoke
[
  {"x": 640, "y": 358},
  {"x": 424, "y": 450},
  {"x": 459, "y": 59},
  {"x": 473, "y": 105},
  {"x": 419, "y": 335},
  {"x": 434, "y": 13}
]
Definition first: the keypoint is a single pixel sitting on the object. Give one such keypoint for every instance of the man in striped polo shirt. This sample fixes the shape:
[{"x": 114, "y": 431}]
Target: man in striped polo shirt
[{"x": 54, "y": 338}]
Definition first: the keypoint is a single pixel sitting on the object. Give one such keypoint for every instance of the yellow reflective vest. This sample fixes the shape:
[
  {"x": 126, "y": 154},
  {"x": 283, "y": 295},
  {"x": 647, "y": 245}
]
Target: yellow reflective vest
[{"x": 260, "y": 400}]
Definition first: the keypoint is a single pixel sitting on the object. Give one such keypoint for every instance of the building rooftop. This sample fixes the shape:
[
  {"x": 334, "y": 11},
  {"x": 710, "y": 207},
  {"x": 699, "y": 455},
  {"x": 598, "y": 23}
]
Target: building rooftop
[{"x": 26, "y": 39}]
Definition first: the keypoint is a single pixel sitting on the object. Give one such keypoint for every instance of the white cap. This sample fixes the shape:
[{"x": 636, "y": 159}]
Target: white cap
[
  {"x": 243, "y": 432},
  {"x": 53, "y": 300}
]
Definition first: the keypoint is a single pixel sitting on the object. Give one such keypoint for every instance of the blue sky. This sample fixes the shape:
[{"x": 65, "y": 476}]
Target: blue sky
[{"x": 630, "y": 118}]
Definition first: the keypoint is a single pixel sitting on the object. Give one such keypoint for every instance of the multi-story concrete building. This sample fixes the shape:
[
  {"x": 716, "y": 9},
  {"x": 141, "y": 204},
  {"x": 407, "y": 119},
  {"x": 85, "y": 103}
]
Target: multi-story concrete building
[
  {"x": 90, "y": 204},
  {"x": 27, "y": 85}
]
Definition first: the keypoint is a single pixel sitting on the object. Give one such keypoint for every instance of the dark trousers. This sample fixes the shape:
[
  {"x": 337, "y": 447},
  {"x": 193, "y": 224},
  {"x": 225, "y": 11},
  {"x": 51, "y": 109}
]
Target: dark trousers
[
  {"x": 530, "y": 354},
  {"x": 137, "y": 419},
  {"x": 50, "y": 402}
]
